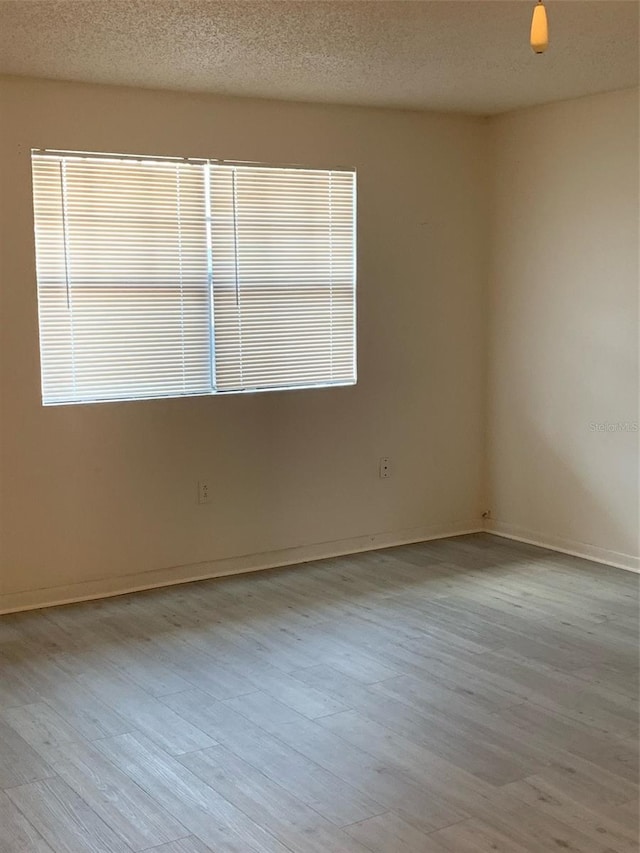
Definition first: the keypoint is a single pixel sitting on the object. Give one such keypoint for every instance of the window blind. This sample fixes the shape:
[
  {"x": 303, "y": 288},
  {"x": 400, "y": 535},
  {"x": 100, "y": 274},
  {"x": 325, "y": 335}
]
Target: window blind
[
  {"x": 283, "y": 277},
  {"x": 165, "y": 278}
]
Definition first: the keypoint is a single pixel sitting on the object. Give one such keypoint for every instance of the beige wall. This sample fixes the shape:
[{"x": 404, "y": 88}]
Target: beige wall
[
  {"x": 109, "y": 490},
  {"x": 101, "y": 498},
  {"x": 564, "y": 325}
]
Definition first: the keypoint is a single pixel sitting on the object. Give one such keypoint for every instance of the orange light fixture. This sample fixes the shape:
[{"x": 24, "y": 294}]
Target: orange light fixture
[{"x": 539, "y": 28}]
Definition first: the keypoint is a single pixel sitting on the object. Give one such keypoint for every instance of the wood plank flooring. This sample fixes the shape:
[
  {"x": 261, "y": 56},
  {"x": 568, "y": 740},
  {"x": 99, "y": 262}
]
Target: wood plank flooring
[{"x": 464, "y": 695}]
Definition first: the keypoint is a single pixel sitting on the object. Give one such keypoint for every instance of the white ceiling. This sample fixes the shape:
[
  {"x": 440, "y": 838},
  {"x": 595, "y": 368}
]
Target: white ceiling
[{"x": 471, "y": 56}]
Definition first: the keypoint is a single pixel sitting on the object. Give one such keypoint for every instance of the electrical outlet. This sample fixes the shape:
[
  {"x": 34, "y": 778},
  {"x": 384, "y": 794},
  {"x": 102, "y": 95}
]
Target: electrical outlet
[
  {"x": 204, "y": 494},
  {"x": 384, "y": 469}
]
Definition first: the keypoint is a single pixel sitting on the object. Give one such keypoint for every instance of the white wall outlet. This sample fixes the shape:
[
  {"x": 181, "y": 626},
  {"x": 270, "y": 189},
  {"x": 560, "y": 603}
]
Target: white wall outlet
[
  {"x": 384, "y": 468},
  {"x": 204, "y": 493}
]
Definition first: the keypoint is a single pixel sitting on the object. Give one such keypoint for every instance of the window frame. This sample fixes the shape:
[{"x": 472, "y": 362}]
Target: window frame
[{"x": 207, "y": 164}]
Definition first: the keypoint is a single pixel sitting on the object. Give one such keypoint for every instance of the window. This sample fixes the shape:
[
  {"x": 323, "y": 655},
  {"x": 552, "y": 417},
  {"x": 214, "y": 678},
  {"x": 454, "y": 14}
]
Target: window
[{"x": 167, "y": 277}]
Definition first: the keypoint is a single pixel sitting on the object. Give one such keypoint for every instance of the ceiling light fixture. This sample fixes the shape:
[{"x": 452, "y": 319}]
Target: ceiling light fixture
[{"x": 539, "y": 28}]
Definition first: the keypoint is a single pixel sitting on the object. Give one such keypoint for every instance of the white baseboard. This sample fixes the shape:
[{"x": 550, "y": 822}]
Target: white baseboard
[
  {"x": 565, "y": 546},
  {"x": 106, "y": 587}
]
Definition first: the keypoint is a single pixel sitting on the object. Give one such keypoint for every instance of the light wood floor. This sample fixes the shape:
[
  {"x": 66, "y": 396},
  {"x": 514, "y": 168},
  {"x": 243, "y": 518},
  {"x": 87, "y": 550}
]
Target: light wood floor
[{"x": 469, "y": 694}]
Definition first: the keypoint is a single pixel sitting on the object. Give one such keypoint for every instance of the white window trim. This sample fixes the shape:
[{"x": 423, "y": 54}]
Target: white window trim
[{"x": 249, "y": 172}]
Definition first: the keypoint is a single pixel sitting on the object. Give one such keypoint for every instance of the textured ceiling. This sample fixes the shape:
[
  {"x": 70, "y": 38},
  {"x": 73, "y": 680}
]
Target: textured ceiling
[{"x": 436, "y": 54}]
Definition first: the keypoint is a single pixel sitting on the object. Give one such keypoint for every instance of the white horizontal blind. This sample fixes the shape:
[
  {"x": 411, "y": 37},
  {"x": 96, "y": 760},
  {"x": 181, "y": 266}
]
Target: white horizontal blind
[
  {"x": 284, "y": 277},
  {"x": 163, "y": 278},
  {"x": 123, "y": 281}
]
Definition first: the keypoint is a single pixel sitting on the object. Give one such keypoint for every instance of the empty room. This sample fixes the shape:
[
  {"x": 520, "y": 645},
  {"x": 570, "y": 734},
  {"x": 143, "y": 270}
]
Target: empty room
[{"x": 319, "y": 446}]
